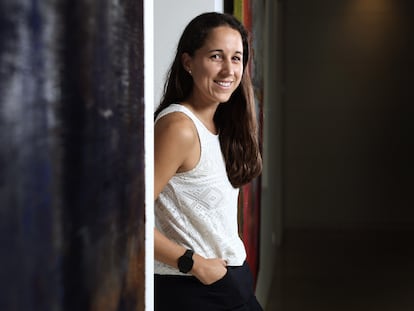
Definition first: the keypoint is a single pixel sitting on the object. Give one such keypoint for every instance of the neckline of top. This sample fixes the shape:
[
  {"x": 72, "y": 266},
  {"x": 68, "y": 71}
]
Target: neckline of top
[{"x": 197, "y": 118}]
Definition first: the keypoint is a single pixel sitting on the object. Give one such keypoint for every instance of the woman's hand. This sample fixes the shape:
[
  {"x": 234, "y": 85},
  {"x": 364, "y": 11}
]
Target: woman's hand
[{"x": 208, "y": 271}]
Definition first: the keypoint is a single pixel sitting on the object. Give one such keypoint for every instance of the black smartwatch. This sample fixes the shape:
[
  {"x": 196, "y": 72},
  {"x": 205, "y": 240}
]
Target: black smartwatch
[{"x": 185, "y": 262}]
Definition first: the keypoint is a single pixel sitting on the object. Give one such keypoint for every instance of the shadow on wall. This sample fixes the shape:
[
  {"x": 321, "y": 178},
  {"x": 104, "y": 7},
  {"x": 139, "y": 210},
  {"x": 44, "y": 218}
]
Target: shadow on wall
[{"x": 71, "y": 155}]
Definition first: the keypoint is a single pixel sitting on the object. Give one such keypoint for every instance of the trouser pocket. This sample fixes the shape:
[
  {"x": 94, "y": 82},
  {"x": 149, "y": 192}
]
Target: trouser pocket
[{"x": 234, "y": 289}]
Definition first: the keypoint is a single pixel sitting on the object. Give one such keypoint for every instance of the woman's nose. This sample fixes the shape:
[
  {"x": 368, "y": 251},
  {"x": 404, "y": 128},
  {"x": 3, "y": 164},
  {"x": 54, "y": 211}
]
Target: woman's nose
[{"x": 228, "y": 67}]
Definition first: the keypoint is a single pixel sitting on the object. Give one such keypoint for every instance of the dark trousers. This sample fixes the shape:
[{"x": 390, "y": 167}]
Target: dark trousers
[{"x": 186, "y": 293}]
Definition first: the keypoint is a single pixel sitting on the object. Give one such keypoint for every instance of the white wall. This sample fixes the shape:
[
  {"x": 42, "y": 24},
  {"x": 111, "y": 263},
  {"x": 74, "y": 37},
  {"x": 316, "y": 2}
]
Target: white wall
[{"x": 170, "y": 18}]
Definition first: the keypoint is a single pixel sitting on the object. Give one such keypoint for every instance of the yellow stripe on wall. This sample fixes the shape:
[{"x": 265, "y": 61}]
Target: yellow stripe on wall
[{"x": 238, "y": 10}]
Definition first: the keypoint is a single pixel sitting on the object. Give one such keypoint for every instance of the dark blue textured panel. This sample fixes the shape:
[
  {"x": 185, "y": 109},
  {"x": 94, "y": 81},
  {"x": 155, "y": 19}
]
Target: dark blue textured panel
[{"x": 71, "y": 155}]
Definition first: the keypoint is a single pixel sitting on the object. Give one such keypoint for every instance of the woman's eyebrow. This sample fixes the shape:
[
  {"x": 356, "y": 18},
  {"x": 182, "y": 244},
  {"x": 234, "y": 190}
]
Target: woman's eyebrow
[{"x": 222, "y": 51}]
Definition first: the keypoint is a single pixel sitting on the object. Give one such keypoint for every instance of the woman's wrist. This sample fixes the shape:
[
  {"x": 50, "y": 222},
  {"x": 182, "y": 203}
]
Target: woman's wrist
[{"x": 197, "y": 264}]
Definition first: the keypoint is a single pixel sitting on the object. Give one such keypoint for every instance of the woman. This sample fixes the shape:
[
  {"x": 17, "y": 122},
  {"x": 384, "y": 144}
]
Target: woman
[{"x": 205, "y": 148}]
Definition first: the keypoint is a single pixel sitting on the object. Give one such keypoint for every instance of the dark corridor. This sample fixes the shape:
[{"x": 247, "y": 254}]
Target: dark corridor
[{"x": 346, "y": 102}]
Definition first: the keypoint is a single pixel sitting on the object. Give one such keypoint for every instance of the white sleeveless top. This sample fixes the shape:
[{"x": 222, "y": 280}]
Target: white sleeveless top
[{"x": 198, "y": 208}]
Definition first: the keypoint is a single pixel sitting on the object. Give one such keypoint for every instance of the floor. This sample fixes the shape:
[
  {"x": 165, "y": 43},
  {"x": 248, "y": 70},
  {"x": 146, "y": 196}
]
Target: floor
[{"x": 344, "y": 270}]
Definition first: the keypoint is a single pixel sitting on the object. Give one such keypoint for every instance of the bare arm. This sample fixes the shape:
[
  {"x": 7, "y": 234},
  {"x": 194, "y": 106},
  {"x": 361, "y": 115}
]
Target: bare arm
[{"x": 177, "y": 149}]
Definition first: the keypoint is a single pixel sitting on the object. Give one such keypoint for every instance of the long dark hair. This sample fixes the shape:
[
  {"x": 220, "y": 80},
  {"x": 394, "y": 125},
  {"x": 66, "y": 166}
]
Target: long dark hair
[{"x": 234, "y": 119}]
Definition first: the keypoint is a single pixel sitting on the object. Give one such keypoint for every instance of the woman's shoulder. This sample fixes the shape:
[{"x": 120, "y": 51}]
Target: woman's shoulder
[{"x": 176, "y": 126}]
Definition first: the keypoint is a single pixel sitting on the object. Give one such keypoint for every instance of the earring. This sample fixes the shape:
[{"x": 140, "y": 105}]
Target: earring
[{"x": 189, "y": 71}]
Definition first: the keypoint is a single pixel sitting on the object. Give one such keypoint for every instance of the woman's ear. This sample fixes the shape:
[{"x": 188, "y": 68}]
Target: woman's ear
[{"x": 186, "y": 61}]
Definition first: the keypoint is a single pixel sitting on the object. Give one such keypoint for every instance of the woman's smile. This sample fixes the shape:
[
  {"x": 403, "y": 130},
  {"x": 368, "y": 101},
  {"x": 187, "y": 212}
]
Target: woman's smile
[{"x": 225, "y": 84}]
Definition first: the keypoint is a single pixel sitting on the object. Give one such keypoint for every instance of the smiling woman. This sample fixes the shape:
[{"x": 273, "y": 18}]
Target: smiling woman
[{"x": 206, "y": 148}]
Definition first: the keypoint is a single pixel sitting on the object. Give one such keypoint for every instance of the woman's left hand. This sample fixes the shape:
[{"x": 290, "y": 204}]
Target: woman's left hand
[{"x": 209, "y": 270}]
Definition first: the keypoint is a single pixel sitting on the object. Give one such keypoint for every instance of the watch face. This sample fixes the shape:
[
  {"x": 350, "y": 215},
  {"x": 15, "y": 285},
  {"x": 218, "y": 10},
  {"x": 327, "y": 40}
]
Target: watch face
[{"x": 185, "y": 262}]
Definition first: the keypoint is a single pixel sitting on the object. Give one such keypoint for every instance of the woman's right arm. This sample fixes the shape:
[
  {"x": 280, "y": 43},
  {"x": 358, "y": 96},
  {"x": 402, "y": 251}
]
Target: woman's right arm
[{"x": 175, "y": 149}]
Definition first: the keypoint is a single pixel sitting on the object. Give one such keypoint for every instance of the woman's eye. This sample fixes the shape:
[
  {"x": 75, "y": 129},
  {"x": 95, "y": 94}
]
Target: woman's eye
[
  {"x": 236, "y": 58},
  {"x": 216, "y": 57}
]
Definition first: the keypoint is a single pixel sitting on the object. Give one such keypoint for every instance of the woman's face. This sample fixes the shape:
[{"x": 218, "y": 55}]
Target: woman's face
[{"x": 216, "y": 67}]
